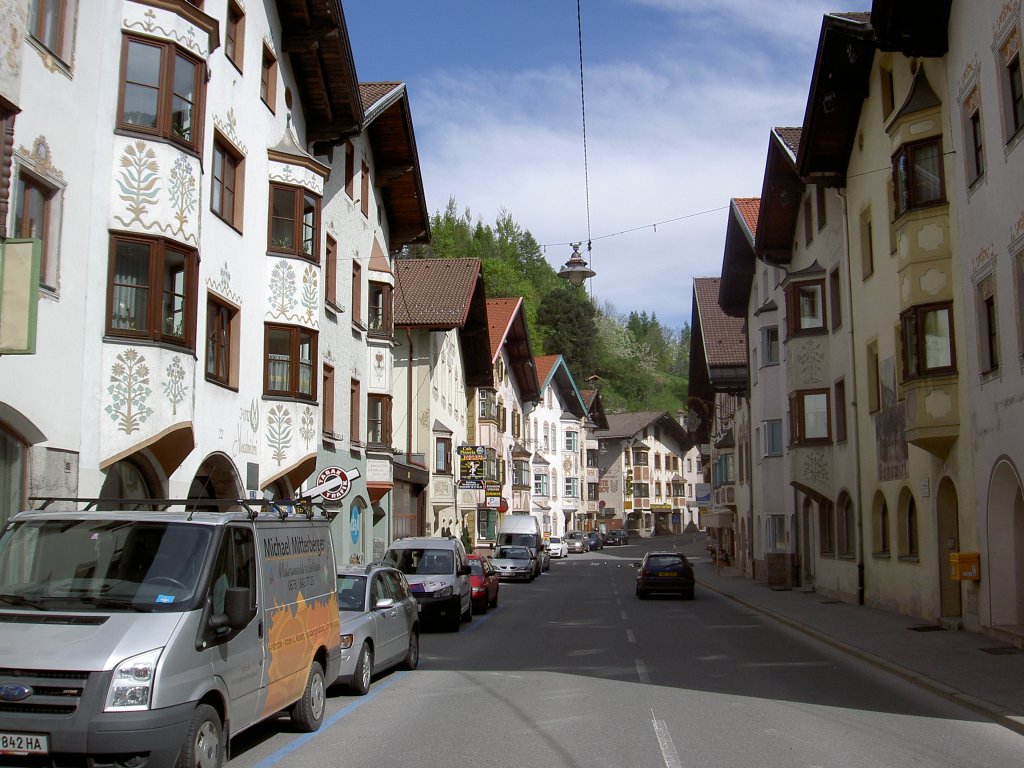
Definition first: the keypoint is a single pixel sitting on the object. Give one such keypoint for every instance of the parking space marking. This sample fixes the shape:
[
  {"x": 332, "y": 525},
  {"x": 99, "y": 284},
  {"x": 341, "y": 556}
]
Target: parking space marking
[
  {"x": 641, "y": 671},
  {"x": 668, "y": 747}
]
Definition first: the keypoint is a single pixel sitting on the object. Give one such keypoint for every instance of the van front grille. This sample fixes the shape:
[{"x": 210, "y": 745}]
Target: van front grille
[{"x": 50, "y": 692}]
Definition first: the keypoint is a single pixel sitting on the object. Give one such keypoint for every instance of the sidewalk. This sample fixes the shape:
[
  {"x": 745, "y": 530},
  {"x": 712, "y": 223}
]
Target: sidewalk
[{"x": 976, "y": 670}]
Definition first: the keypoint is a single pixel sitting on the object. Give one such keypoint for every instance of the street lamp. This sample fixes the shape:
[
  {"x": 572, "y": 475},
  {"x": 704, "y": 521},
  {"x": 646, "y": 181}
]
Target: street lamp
[{"x": 576, "y": 270}]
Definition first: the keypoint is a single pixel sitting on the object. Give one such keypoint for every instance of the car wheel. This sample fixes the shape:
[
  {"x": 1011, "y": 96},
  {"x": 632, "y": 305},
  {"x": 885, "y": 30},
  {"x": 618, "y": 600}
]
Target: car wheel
[
  {"x": 467, "y": 615},
  {"x": 688, "y": 594},
  {"x": 480, "y": 607},
  {"x": 308, "y": 712},
  {"x": 642, "y": 594},
  {"x": 494, "y": 602},
  {"x": 412, "y": 656},
  {"x": 204, "y": 745},
  {"x": 360, "y": 684}
]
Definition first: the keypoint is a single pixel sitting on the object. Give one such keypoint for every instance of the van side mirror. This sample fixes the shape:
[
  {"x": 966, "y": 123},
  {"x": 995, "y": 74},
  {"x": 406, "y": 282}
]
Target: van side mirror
[
  {"x": 465, "y": 570},
  {"x": 236, "y": 609}
]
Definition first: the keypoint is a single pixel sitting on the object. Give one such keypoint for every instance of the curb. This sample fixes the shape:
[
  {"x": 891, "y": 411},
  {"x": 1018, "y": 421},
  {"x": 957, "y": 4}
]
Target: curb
[{"x": 992, "y": 711}]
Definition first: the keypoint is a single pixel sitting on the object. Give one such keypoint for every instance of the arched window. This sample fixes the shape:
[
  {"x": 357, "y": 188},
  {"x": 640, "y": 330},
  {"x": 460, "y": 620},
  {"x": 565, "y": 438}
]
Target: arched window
[
  {"x": 907, "y": 528},
  {"x": 880, "y": 526}
]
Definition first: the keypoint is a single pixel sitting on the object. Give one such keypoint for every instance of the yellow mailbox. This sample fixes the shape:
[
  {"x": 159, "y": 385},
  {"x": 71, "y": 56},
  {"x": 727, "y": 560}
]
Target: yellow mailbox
[{"x": 965, "y": 566}]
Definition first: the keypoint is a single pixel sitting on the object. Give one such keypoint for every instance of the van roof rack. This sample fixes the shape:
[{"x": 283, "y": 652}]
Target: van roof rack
[{"x": 283, "y": 508}]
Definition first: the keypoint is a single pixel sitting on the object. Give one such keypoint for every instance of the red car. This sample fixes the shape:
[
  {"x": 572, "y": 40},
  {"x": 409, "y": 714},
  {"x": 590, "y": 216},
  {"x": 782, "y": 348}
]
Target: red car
[{"x": 483, "y": 580}]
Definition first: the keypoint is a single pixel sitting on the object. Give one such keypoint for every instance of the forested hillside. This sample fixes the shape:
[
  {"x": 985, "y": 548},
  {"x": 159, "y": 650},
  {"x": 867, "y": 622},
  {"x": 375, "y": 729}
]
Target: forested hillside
[{"x": 637, "y": 363}]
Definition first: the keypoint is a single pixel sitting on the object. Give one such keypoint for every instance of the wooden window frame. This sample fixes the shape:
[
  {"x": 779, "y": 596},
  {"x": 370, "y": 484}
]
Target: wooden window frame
[
  {"x": 268, "y": 79},
  {"x": 826, "y": 528},
  {"x": 222, "y": 331},
  {"x": 350, "y": 170},
  {"x": 794, "y": 318},
  {"x": 988, "y": 355},
  {"x": 905, "y": 169},
  {"x": 378, "y": 416},
  {"x": 331, "y": 271},
  {"x": 839, "y": 405},
  {"x": 798, "y": 417},
  {"x": 974, "y": 138},
  {"x": 23, "y": 220},
  {"x": 234, "y": 34},
  {"x": 835, "y": 295},
  {"x": 54, "y": 40},
  {"x": 914, "y": 347},
  {"x": 1013, "y": 92},
  {"x": 355, "y": 402},
  {"x": 357, "y": 294},
  {"x": 295, "y": 334},
  {"x": 227, "y": 180},
  {"x": 155, "y": 290},
  {"x": 298, "y": 223},
  {"x": 379, "y": 313},
  {"x": 443, "y": 456},
  {"x": 170, "y": 55},
  {"x": 820, "y": 203},
  {"x": 364, "y": 189}
]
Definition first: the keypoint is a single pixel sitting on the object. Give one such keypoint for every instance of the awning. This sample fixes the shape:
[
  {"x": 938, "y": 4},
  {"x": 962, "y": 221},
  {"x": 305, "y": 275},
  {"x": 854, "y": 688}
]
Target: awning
[{"x": 719, "y": 517}]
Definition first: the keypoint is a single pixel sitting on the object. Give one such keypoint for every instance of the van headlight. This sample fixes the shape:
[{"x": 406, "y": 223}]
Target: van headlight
[
  {"x": 131, "y": 688},
  {"x": 444, "y": 592}
]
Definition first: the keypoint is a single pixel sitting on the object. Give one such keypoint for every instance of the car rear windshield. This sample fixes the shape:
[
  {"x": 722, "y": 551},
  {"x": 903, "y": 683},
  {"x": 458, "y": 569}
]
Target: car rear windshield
[
  {"x": 476, "y": 568},
  {"x": 555, "y": 540},
  {"x": 422, "y": 562},
  {"x": 665, "y": 562}
]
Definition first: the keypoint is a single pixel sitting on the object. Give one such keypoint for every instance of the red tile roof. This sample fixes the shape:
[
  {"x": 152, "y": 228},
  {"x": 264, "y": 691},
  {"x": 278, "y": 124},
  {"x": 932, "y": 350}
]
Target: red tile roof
[
  {"x": 791, "y": 138},
  {"x": 725, "y": 341},
  {"x": 544, "y": 365},
  {"x": 500, "y": 313},
  {"x": 434, "y": 293},
  {"x": 371, "y": 93},
  {"x": 748, "y": 208}
]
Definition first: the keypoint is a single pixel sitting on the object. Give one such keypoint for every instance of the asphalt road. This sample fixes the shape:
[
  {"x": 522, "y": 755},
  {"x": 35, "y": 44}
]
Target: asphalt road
[{"x": 574, "y": 670}]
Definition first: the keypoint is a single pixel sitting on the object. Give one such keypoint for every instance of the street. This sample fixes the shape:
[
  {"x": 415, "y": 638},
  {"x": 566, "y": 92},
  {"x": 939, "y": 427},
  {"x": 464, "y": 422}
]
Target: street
[{"x": 574, "y": 670}]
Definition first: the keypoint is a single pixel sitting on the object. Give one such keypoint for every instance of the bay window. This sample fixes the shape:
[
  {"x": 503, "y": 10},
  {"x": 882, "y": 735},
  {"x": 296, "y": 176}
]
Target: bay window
[
  {"x": 152, "y": 290},
  {"x": 378, "y": 420},
  {"x": 917, "y": 175},
  {"x": 805, "y": 307},
  {"x": 291, "y": 355},
  {"x": 809, "y": 414},
  {"x": 294, "y": 222}
]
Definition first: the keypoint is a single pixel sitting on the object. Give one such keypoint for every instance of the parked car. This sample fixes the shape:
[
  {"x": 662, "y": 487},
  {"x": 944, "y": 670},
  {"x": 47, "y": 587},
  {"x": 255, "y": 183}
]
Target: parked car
[
  {"x": 515, "y": 562},
  {"x": 438, "y": 575},
  {"x": 380, "y": 625},
  {"x": 557, "y": 547},
  {"x": 483, "y": 582},
  {"x": 543, "y": 560},
  {"x": 616, "y": 537},
  {"x": 577, "y": 541},
  {"x": 664, "y": 572},
  {"x": 596, "y": 540}
]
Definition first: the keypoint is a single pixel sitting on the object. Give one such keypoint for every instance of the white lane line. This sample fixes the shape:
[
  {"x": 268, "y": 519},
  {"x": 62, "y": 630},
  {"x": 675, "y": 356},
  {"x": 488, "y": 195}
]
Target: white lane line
[
  {"x": 641, "y": 672},
  {"x": 623, "y": 616},
  {"x": 668, "y": 748},
  {"x": 630, "y": 636}
]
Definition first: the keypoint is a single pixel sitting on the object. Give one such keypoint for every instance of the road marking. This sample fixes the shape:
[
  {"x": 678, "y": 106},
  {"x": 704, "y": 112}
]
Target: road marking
[
  {"x": 630, "y": 636},
  {"x": 622, "y": 615},
  {"x": 668, "y": 748},
  {"x": 641, "y": 672}
]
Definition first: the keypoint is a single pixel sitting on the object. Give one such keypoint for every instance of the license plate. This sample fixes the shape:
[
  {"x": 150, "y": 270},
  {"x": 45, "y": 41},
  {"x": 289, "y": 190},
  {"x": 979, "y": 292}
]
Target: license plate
[
  {"x": 22, "y": 744},
  {"x": 666, "y": 573}
]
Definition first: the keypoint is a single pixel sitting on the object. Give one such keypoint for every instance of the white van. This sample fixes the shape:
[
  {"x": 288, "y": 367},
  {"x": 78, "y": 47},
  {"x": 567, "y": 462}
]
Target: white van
[
  {"x": 153, "y": 637},
  {"x": 438, "y": 574},
  {"x": 524, "y": 530}
]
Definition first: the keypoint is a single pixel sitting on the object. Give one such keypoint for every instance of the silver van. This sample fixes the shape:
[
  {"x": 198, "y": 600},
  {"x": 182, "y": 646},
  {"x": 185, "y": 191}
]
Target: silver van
[{"x": 153, "y": 637}]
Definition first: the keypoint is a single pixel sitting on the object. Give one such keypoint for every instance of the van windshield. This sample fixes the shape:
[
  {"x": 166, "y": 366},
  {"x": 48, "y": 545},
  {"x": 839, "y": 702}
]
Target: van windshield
[
  {"x": 101, "y": 565},
  {"x": 422, "y": 562},
  {"x": 520, "y": 539}
]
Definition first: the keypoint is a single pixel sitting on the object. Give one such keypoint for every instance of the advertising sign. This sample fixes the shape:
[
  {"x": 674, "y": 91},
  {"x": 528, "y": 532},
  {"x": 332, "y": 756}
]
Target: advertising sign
[
  {"x": 492, "y": 494},
  {"x": 703, "y": 493},
  {"x": 471, "y": 466}
]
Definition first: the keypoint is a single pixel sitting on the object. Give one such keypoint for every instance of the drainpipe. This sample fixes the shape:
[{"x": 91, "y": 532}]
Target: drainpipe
[
  {"x": 408, "y": 413},
  {"x": 853, "y": 401}
]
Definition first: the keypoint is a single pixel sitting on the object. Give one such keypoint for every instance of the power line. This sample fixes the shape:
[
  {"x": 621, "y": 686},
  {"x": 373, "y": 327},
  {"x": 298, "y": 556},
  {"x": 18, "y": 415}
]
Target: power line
[{"x": 653, "y": 226}]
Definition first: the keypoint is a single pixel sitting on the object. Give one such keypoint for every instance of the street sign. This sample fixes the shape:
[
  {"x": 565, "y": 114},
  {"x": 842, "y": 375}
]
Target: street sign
[{"x": 471, "y": 466}]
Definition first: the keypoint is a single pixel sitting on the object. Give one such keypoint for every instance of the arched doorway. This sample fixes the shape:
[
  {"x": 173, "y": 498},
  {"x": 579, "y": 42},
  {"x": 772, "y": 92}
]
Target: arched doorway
[
  {"x": 1006, "y": 545},
  {"x": 947, "y": 518},
  {"x": 133, "y": 478},
  {"x": 807, "y": 543},
  {"x": 216, "y": 478}
]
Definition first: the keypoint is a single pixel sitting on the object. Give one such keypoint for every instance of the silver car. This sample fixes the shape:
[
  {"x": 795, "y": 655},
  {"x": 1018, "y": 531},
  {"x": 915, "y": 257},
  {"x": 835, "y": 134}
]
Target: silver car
[
  {"x": 512, "y": 561},
  {"x": 577, "y": 541},
  {"x": 379, "y": 623}
]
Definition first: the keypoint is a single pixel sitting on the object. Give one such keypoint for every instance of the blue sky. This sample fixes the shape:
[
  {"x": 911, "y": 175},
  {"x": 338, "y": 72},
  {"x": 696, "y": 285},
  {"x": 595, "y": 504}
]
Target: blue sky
[{"x": 680, "y": 98}]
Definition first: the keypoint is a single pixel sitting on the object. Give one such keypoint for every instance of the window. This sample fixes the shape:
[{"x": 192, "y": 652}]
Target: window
[
  {"x": 364, "y": 189},
  {"x": 268, "y": 79},
  {"x": 48, "y": 23},
  {"x": 805, "y": 307},
  {"x": 775, "y": 533},
  {"x": 928, "y": 340},
  {"x": 227, "y": 183},
  {"x": 520, "y": 473},
  {"x": 846, "y": 544},
  {"x": 1018, "y": 270},
  {"x": 571, "y": 489},
  {"x": 151, "y": 290},
  {"x": 327, "y": 401},
  {"x": 234, "y": 34},
  {"x": 291, "y": 357},
  {"x": 880, "y": 527},
  {"x": 641, "y": 490},
  {"x": 874, "y": 378},
  {"x": 331, "y": 271},
  {"x": 988, "y": 328},
  {"x": 820, "y": 205},
  {"x": 355, "y": 404},
  {"x": 917, "y": 175},
  {"x": 907, "y": 529},
  {"x": 826, "y": 528},
  {"x": 34, "y": 202},
  {"x": 808, "y": 222},
  {"x": 540, "y": 484},
  {"x": 808, "y": 411},
  {"x": 350, "y": 170},
  {"x": 379, "y": 309},
  {"x": 657, "y": 489},
  {"x": 840, "y": 405},
  {"x": 770, "y": 345},
  {"x": 835, "y": 299},
  {"x": 160, "y": 91},
  {"x": 772, "y": 438},
  {"x": 572, "y": 441},
  {"x": 593, "y": 491},
  {"x": 867, "y": 246},
  {"x": 443, "y": 455},
  {"x": 888, "y": 98},
  {"x": 488, "y": 401},
  {"x": 378, "y": 420},
  {"x": 640, "y": 457},
  {"x": 357, "y": 293},
  {"x": 974, "y": 157},
  {"x": 657, "y": 461},
  {"x": 294, "y": 222},
  {"x": 221, "y": 342},
  {"x": 1013, "y": 93}
]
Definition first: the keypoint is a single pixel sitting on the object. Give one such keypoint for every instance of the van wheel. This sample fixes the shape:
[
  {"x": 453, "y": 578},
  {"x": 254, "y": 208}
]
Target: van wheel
[
  {"x": 412, "y": 656},
  {"x": 364, "y": 671},
  {"x": 467, "y": 615},
  {"x": 308, "y": 712},
  {"x": 204, "y": 741}
]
